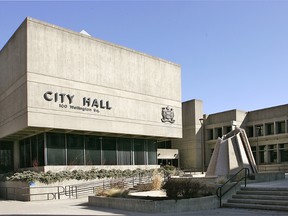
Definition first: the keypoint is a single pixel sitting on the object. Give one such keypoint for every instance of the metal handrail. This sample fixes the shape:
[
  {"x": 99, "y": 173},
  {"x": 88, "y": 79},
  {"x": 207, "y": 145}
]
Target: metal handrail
[
  {"x": 219, "y": 189},
  {"x": 73, "y": 191}
]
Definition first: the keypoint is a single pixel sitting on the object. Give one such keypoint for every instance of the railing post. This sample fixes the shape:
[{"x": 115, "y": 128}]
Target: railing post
[
  {"x": 76, "y": 192},
  {"x": 245, "y": 170},
  {"x": 58, "y": 192},
  {"x": 220, "y": 197}
]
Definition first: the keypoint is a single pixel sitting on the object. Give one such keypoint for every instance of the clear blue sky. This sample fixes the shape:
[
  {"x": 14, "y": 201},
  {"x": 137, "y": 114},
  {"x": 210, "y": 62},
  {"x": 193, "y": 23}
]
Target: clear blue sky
[{"x": 233, "y": 54}]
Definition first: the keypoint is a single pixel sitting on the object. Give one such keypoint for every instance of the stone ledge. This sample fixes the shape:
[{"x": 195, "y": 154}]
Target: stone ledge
[{"x": 159, "y": 206}]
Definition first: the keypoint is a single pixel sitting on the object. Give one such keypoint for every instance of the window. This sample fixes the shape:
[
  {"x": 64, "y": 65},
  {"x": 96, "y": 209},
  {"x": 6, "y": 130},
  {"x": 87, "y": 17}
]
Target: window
[
  {"x": 280, "y": 127},
  {"x": 109, "y": 156},
  {"x": 272, "y": 153},
  {"x": 124, "y": 151},
  {"x": 139, "y": 152},
  {"x": 56, "y": 154},
  {"x": 75, "y": 149},
  {"x": 269, "y": 128},
  {"x": 164, "y": 144},
  {"x": 250, "y": 131},
  {"x": 25, "y": 156},
  {"x": 32, "y": 151},
  {"x": 228, "y": 129},
  {"x": 40, "y": 141},
  {"x": 259, "y": 130},
  {"x": 152, "y": 152},
  {"x": 283, "y": 150},
  {"x": 218, "y": 132},
  {"x": 6, "y": 156},
  {"x": 210, "y": 134},
  {"x": 93, "y": 150},
  {"x": 262, "y": 150}
]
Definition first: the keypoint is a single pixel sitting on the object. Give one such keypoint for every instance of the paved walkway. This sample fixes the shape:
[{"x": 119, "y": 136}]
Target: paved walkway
[
  {"x": 274, "y": 184},
  {"x": 80, "y": 207}
]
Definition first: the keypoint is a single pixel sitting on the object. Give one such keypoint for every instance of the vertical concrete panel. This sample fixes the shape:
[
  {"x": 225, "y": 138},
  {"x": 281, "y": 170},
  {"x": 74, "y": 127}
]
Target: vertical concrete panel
[
  {"x": 13, "y": 85},
  {"x": 190, "y": 146}
]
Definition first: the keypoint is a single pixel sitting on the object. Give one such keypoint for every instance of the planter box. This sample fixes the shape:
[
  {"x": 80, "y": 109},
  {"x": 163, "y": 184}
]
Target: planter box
[{"x": 159, "y": 206}]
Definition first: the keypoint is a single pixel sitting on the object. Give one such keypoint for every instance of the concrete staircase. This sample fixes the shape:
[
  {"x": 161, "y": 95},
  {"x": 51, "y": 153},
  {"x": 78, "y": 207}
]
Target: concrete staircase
[{"x": 267, "y": 198}]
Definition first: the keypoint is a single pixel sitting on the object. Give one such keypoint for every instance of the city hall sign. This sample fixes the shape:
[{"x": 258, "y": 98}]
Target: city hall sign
[{"x": 66, "y": 101}]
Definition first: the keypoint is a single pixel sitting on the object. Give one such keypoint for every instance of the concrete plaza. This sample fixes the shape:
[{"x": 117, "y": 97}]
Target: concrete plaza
[{"x": 80, "y": 207}]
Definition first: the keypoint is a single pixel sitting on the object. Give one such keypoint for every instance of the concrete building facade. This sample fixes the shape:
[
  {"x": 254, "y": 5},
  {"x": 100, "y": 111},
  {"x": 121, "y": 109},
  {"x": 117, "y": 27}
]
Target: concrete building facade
[
  {"x": 266, "y": 129},
  {"x": 67, "y": 98}
]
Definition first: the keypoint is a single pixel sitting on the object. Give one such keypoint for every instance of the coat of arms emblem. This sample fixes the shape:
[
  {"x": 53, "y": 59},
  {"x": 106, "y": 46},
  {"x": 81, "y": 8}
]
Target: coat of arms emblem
[{"x": 167, "y": 114}]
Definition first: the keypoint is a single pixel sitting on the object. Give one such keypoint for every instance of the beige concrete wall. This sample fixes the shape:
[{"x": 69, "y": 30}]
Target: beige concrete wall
[
  {"x": 190, "y": 149},
  {"x": 272, "y": 113},
  {"x": 13, "y": 86},
  {"x": 136, "y": 85}
]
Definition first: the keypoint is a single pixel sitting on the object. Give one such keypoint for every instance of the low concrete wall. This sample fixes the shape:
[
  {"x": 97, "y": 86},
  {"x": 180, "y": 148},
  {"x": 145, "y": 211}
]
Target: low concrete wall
[
  {"x": 163, "y": 206},
  {"x": 269, "y": 176},
  {"x": 14, "y": 191},
  {"x": 273, "y": 168},
  {"x": 22, "y": 191}
]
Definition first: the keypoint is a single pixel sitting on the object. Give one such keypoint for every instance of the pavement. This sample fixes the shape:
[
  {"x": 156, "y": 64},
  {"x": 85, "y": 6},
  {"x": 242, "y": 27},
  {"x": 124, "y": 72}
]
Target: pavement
[
  {"x": 274, "y": 184},
  {"x": 80, "y": 207}
]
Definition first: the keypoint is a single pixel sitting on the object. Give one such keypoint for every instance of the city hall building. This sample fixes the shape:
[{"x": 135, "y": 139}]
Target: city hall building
[{"x": 69, "y": 99}]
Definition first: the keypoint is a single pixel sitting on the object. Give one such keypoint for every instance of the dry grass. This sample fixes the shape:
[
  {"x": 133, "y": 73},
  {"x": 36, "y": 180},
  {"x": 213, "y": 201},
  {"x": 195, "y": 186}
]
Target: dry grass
[
  {"x": 221, "y": 180},
  {"x": 157, "y": 181},
  {"x": 113, "y": 192}
]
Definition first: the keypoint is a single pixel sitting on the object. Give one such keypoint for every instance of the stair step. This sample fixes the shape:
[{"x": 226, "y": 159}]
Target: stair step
[
  {"x": 251, "y": 188},
  {"x": 267, "y": 192},
  {"x": 262, "y": 202},
  {"x": 255, "y": 206},
  {"x": 260, "y": 197}
]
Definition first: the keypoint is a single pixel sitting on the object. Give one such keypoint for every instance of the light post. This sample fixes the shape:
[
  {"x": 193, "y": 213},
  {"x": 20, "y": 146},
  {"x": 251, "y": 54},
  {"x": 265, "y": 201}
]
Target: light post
[{"x": 202, "y": 146}]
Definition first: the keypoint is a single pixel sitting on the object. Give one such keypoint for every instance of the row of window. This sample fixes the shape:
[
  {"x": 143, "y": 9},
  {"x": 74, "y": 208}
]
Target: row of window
[
  {"x": 266, "y": 129},
  {"x": 72, "y": 149},
  {"x": 268, "y": 154},
  {"x": 217, "y": 132},
  {"x": 252, "y": 131}
]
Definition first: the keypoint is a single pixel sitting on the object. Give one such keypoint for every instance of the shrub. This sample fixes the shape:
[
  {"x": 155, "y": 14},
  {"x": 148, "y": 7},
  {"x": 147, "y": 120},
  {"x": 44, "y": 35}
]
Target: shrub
[
  {"x": 52, "y": 177},
  {"x": 186, "y": 188}
]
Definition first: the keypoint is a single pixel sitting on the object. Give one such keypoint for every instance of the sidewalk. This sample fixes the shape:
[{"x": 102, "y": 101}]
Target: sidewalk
[{"x": 80, "y": 207}]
